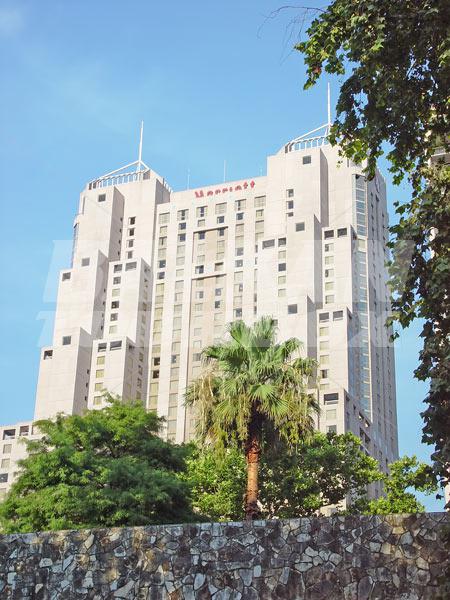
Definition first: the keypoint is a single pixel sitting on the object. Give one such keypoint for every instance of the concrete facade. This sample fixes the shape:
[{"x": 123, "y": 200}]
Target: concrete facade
[{"x": 156, "y": 275}]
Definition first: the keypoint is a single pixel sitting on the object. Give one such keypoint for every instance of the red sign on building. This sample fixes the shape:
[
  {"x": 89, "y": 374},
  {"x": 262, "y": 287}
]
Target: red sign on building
[{"x": 224, "y": 190}]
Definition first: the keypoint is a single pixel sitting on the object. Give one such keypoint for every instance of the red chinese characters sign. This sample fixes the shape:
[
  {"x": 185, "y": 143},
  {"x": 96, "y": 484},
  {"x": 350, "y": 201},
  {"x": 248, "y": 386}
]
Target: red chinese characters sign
[{"x": 224, "y": 190}]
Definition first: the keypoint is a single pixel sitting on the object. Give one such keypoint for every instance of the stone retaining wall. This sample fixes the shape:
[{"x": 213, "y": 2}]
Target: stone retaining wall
[{"x": 398, "y": 556}]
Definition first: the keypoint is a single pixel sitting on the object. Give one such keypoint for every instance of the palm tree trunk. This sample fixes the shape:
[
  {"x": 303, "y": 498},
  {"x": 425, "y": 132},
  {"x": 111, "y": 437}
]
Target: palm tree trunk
[{"x": 252, "y": 456}]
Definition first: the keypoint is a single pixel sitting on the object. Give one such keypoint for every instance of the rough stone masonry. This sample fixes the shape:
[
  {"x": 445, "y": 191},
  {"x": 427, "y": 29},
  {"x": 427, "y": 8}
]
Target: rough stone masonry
[{"x": 353, "y": 557}]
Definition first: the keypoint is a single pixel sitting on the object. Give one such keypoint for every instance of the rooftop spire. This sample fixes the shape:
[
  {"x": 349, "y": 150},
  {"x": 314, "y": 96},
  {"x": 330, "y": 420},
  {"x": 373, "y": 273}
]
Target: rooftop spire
[{"x": 139, "y": 160}]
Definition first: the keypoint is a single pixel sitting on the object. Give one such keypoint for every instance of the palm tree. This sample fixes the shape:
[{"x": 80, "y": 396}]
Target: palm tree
[{"x": 251, "y": 388}]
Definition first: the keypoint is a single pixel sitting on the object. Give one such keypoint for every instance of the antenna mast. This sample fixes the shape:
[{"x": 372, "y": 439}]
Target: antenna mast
[
  {"x": 139, "y": 162},
  {"x": 329, "y": 107}
]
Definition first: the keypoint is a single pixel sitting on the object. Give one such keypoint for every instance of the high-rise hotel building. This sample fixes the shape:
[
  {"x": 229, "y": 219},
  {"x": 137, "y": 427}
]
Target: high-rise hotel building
[{"x": 156, "y": 275}]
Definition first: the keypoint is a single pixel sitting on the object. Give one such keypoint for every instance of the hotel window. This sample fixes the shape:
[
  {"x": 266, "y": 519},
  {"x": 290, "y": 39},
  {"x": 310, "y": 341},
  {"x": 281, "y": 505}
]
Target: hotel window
[
  {"x": 324, "y": 359},
  {"x": 324, "y": 373},
  {"x": 342, "y": 232},
  {"x": 239, "y": 205},
  {"x": 300, "y": 227},
  {"x": 129, "y": 255},
  {"x": 175, "y": 359},
  {"x": 161, "y": 264},
  {"x": 199, "y": 270},
  {"x": 282, "y": 267},
  {"x": 259, "y": 213},
  {"x": 155, "y": 374},
  {"x": 182, "y": 226},
  {"x": 329, "y": 272},
  {"x": 67, "y": 340},
  {"x": 201, "y": 222},
  {"x": 130, "y": 243},
  {"x": 197, "y": 331},
  {"x": 98, "y": 387},
  {"x": 239, "y": 230},
  {"x": 221, "y": 208},
  {"x": 281, "y": 254},
  {"x": 330, "y": 415},
  {"x": 217, "y": 304},
  {"x": 329, "y": 299},
  {"x": 164, "y": 218},
  {"x": 131, "y": 231},
  {"x": 238, "y": 288},
  {"x": 324, "y": 331},
  {"x": 162, "y": 241},
  {"x": 238, "y": 264},
  {"x": 182, "y": 215},
  {"x": 116, "y": 280},
  {"x": 182, "y": 237},
  {"x": 85, "y": 262},
  {"x": 199, "y": 295},
  {"x": 259, "y": 226},
  {"x": 102, "y": 347},
  {"x": 238, "y": 313},
  {"x": 179, "y": 272},
  {"x": 290, "y": 193},
  {"x": 239, "y": 277},
  {"x": 260, "y": 201},
  {"x": 239, "y": 216},
  {"x": 306, "y": 160},
  {"x": 268, "y": 243},
  {"x": 289, "y": 205},
  {"x": 331, "y": 428},
  {"x": 179, "y": 261},
  {"x": 239, "y": 251},
  {"x": 338, "y": 315},
  {"x": 113, "y": 329},
  {"x": 289, "y": 214},
  {"x": 101, "y": 197},
  {"x": 200, "y": 259},
  {"x": 198, "y": 307},
  {"x": 325, "y": 345},
  {"x": 156, "y": 361},
  {"x": 162, "y": 253},
  {"x": 176, "y": 347},
  {"x": 329, "y": 247},
  {"x": 66, "y": 276},
  {"x": 328, "y": 234},
  {"x": 117, "y": 268},
  {"x": 292, "y": 309},
  {"x": 100, "y": 360},
  {"x": 331, "y": 398},
  {"x": 329, "y": 285},
  {"x": 282, "y": 293},
  {"x": 178, "y": 285},
  {"x": 114, "y": 317},
  {"x": 281, "y": 241},
  {"x": 329, "y": 260},
  {"x": 115, "y": 304},
  {"x": 99, "y": 373},
  {"x": 220, "y": 220},
  {"x": 197, "y": 344},
  {"x": 157, "y": 325},
  {"x": 5, "y": 463},
  {"x": 131, "y": 220},
  {"x": 281, "y": 279},
  {"x": 177, "y": 309},
  {"x": 177, "y": 322},
  {"x": 202, "y": 211}
]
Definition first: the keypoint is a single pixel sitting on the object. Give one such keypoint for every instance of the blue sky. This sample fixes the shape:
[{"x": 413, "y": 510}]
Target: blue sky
[{"x": 212, "y": 81}]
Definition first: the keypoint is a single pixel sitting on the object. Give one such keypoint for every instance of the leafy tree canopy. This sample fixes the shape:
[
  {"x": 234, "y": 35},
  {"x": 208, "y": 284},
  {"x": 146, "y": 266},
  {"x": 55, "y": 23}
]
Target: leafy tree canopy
[
  {"x": 106, "y": 468},
  {"x": 398, "y": 55},
  {"x": 405, "y": 475},
  {"x": 320, "y": 471}
]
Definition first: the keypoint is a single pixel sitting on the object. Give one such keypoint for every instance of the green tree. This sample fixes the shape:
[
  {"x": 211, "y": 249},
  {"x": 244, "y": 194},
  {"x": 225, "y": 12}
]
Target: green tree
[
  {"x": 405, "y": 475},
  {"x": 217, "y": 482},
  {"x": 320, "y": 471},
  {"x": 106, "y": 468},
  {"x": 393, "y": 58},
  {"x": 253, "y": 387}
]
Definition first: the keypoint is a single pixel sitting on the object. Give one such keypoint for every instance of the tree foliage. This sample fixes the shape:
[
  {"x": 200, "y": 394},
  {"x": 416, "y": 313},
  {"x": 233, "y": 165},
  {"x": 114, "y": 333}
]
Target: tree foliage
[
  {"x": 106, "y": 468},
  {"x": 253, "y": 387},
  {"x": 320, "y": 472},
  {"x": 393, "y": 58},
  {"x": 405, "y": 475},
  {"x": 395, "y": 55}
]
